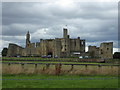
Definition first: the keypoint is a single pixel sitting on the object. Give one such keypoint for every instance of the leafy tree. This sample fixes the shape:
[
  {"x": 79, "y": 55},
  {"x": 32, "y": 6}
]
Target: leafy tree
[
  {"x": 4, "y": 52},
  {"x": 116, "y": 55}
]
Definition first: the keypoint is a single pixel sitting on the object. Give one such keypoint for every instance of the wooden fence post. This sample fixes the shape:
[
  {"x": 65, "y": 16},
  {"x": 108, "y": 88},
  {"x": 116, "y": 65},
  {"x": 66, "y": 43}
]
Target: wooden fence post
[
  {"x": 86, "y": 67},
  {"x": 9, "y": 64},
  {"x": 71, "y": 67},
  {"x": 35, "y": 65},
  {"x": 22, "y": 65},
  {"x": 99, "y": 67},
  {"x": 58, "y": 69},
  {"x": 47, "y": 66}
]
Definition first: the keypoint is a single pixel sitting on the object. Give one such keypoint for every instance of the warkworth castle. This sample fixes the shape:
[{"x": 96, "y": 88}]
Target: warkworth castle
[{"x": 61, "y": 47}]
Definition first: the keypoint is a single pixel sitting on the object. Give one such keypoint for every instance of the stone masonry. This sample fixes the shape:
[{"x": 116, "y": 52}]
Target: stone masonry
[{"x": 60, "y": 47}]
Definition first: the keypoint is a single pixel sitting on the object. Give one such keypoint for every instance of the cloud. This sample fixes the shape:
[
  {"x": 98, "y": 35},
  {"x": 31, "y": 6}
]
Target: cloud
[{"x": 93, "y": 21}]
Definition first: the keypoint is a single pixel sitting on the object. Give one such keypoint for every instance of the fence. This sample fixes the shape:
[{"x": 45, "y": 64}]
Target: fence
[{"x": 59, "y": 68}]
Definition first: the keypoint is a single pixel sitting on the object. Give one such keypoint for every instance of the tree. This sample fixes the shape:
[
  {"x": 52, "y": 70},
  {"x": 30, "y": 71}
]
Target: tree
[
  {"x": 4, "y": 52},
  {"x": 116, "y": 55}
]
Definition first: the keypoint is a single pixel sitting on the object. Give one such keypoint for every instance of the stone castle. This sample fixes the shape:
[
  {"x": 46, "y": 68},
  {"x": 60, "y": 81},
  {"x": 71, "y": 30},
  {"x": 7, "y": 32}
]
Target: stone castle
[{"x": 60, "y": 47}]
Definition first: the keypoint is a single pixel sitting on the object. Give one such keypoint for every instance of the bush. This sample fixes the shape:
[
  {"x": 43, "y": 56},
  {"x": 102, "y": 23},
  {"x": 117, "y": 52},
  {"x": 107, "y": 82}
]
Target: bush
[
  {"x": 116, "y": 55},
  {"x": 4, "y": 52}
]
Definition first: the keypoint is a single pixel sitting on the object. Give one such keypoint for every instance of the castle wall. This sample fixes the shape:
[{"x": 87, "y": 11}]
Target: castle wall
[
  {"x": 43, "y": 45},
  {"x": 82, "y": 46},
  {"x": 14, "y": 50},
  {"x": 77, "y": 45},
  {"x": 93, "y": 51},
  {"x": 47, "y": 47},
  {"x": 61, "y": 47},
  {"x": 65, "y": 33},
  {"x": 57, "y": 48},
  {"x": 50, "y": 47},
  {"x": 106, "y": 50}
]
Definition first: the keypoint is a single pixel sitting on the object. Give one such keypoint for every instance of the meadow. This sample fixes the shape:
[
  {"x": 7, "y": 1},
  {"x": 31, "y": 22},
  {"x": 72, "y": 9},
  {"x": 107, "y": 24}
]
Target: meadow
[
  {"x": 30, "y": 73},
  {"x": 62, "y": 81}
]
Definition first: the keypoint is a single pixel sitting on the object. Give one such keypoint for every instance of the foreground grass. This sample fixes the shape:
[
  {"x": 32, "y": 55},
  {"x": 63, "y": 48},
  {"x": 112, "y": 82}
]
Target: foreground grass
[{"x": 63, "y": 81}]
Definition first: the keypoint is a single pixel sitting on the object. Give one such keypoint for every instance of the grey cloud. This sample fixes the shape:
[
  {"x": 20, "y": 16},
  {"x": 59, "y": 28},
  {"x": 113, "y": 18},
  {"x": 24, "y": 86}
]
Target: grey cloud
[{"x": 95, "y": 22}]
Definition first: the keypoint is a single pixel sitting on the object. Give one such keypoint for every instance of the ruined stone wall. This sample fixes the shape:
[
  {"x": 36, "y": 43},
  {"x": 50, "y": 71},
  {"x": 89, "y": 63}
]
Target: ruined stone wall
[
  {"x": 77, "y": 45},
  {"x": 82, "y": 46},
  {"x": 72, "y": 44},
  {"x": 106, "y": 50},
  {"x": 65, "y": 43},
  {"x": 38, "y": 49},
  {"x": 32, "y": 45},
  {"x": 14, "y": 50},
  {"x": 93, "y": 51},
  {"x": 50, "y": 47},
  {"x": 32, "y": 50},
  {"x": 47, "y": 47},
  {"x": 57, "y": 48},
  {"x": 43, "y": 45},
  {"x": 61, "y": 47}
]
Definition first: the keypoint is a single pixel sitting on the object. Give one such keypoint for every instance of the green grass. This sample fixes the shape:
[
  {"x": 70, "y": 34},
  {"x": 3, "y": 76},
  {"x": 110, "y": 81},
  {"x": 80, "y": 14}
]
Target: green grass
[
  {"x": 53, "y": 62},
  {"x": 61, "y": 62},
  {"x": 63, "y": 81},
  {"x": 36, "y": 58}
]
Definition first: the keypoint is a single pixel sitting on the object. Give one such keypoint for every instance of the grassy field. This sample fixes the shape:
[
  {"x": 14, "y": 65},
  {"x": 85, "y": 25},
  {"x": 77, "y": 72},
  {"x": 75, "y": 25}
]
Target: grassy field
[
  {"x": 29, "y": 76},
  {"x": 51, "y": 60},
  {"x": 37, "y": 58},
  {"x": 63, "y": 81},
  {"x": 57, "y": 60},
  {"x": 65, "y": 69}
]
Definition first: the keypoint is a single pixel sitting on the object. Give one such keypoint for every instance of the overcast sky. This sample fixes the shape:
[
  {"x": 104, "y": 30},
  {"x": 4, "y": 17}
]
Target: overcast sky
[{"x": 96, "y": 22}]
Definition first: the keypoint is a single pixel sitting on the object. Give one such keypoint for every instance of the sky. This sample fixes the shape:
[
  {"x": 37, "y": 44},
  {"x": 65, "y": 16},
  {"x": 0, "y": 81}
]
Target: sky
[{"x": 96, "y": 22}]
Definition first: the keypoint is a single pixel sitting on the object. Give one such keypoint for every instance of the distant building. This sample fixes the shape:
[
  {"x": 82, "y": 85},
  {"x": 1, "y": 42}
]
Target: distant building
[
  {"x": 104, "y": 51},
  {"x": 60, "y": 47}
]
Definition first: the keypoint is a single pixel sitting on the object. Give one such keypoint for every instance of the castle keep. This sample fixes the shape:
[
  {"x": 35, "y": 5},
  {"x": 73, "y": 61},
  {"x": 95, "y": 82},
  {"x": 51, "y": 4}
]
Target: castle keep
[{"x": 60, "y": 47}]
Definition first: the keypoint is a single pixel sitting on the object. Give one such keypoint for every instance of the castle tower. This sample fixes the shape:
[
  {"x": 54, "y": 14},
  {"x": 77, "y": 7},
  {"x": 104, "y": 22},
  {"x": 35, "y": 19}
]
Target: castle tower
[
  {"x": 65, "y": 32},
  {"x": 66, "y": 42},
  {"x": 27, "y": 39},
  {"x": 106, "y": 50}
]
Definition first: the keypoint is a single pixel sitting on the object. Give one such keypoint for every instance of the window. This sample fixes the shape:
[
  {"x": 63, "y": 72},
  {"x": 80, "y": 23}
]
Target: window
[
  {"x": 75, "y": 43},
  {"x": 101, "y": 52},
  {"x": 82, "y": 43}
]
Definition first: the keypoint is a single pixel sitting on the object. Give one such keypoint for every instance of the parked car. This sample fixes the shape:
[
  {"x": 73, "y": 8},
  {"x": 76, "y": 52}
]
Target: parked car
[
  {"x": 49, "y": 56},
  {"x": 55, "y": 56},
  {"x": 43, "y": 56}
]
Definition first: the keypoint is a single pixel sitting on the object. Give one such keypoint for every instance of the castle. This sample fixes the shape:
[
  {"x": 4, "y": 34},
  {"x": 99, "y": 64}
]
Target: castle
[{"x": 60, "y": 47}]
